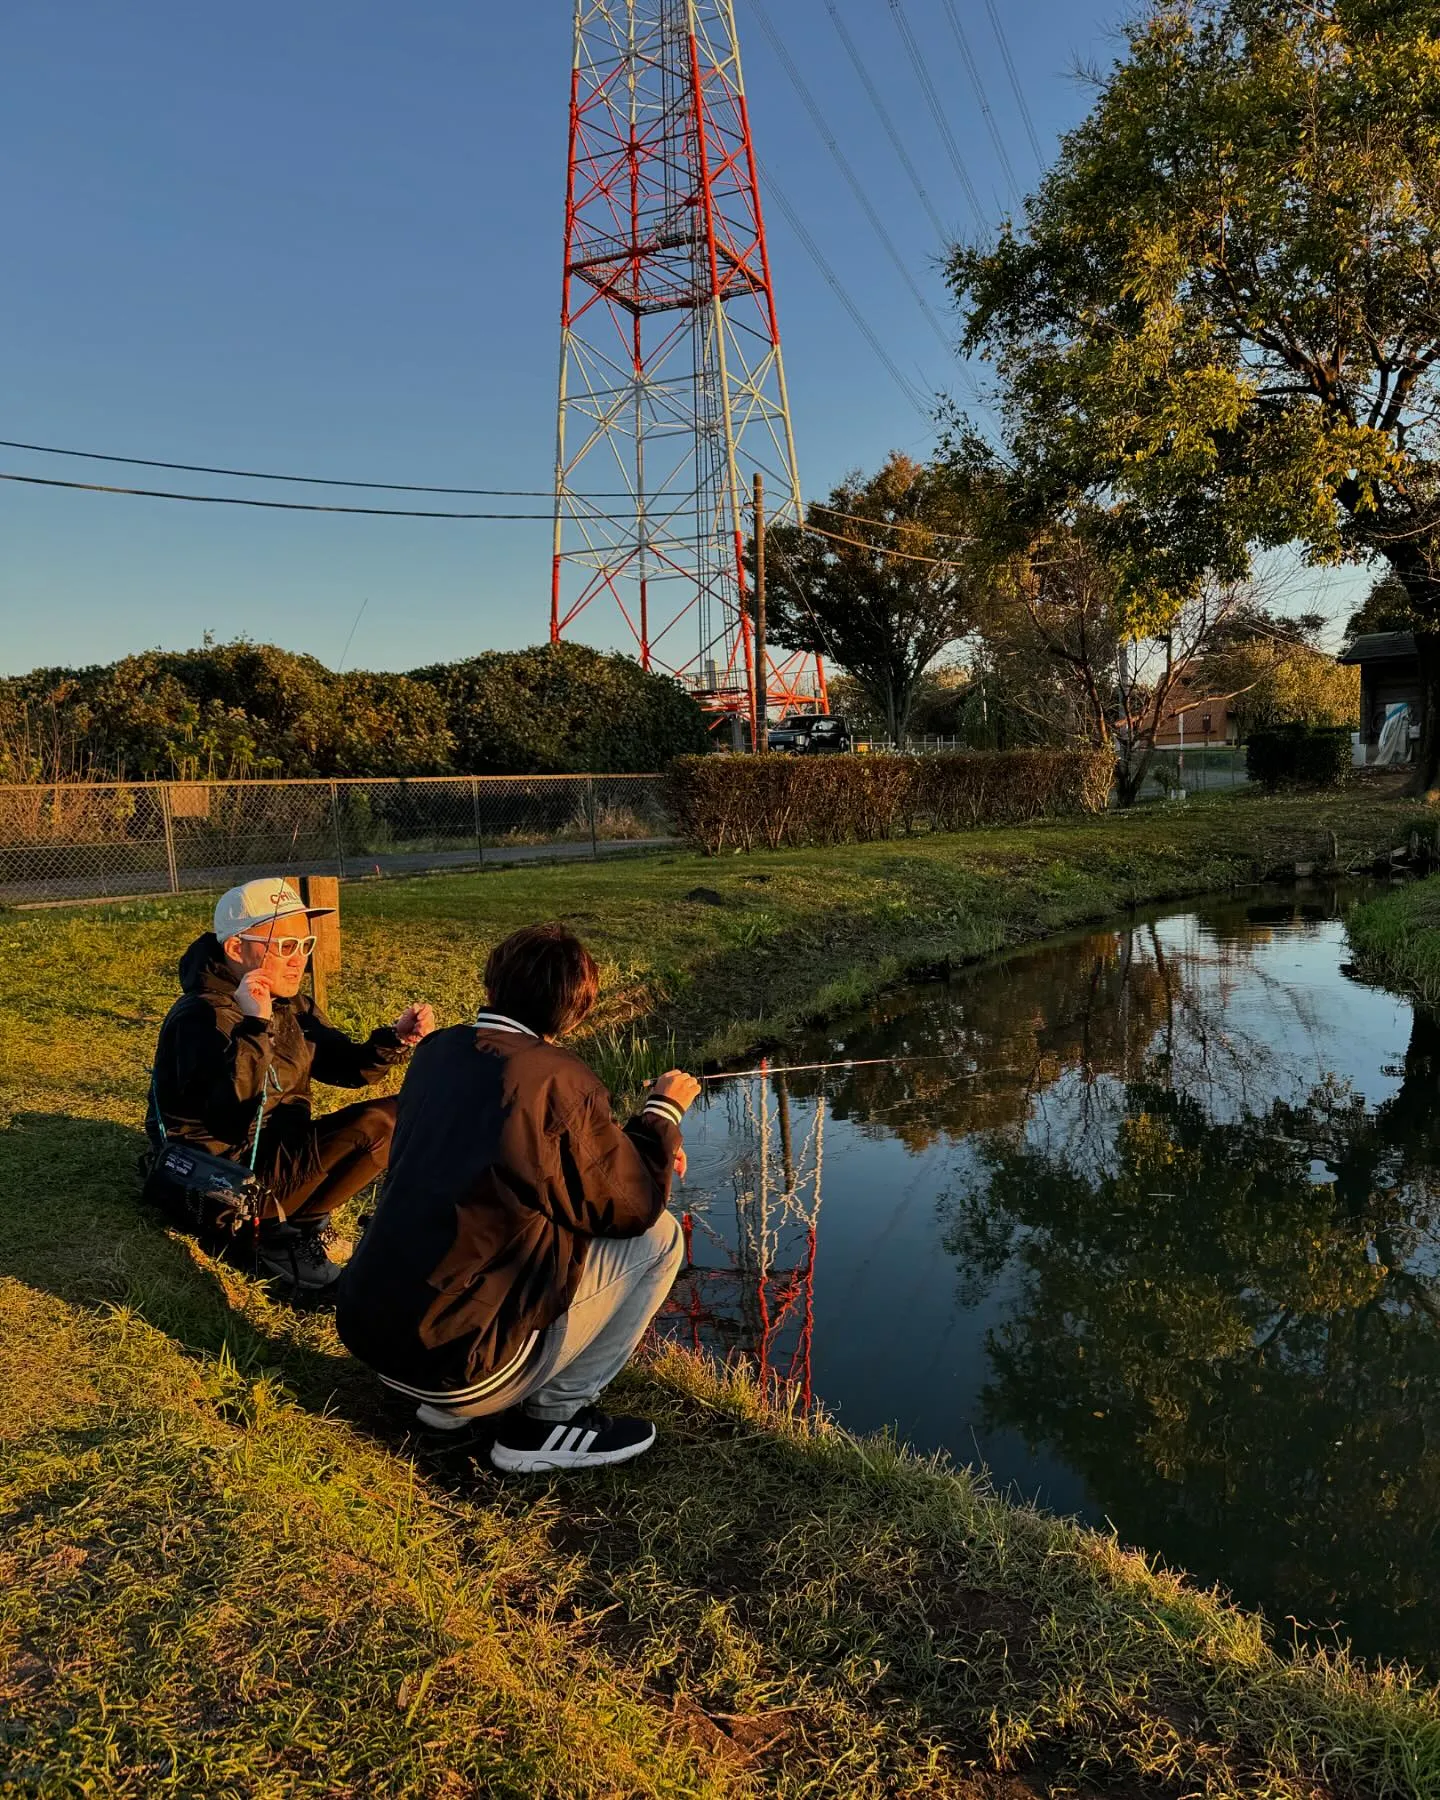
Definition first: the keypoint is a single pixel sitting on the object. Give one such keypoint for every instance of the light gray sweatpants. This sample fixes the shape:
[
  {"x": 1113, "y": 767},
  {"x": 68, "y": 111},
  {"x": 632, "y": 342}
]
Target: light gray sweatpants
[{"x": 622, "y": 1287}]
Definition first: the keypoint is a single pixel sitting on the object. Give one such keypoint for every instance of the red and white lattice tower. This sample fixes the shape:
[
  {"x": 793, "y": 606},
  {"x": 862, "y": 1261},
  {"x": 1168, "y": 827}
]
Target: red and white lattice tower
[{"x": 672, "y": 388}]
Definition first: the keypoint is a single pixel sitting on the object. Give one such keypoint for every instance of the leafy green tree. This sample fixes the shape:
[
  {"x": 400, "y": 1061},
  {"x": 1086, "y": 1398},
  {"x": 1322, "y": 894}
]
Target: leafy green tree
[
  {"x": 882, "y": 583},
  {"x": 1067, "y": 663},
  {"x": 136, "y": 719},
  {"x": 1271, "y": 672},
  {"x": 1387, "y": 607},
  {"x": 1220, "y": 325},
  {"x": 563, "y": 708}
]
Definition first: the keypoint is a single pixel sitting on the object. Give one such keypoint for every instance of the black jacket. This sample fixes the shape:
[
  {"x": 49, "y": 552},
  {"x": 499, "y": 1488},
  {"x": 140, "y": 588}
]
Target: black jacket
[
  {"x": 212, "y": 1061},
  {"x": 506, "y": 1162}
]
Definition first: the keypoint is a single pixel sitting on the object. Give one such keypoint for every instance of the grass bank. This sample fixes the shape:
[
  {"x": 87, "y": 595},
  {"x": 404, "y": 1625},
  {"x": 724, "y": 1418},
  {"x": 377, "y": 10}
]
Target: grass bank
[
  {"x": 1397, "y": 938},
  {"x": 226, "y": 1570}
]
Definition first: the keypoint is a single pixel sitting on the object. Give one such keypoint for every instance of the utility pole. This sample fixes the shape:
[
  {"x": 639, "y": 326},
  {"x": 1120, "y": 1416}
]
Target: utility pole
[{"x": 762, "y": 685}]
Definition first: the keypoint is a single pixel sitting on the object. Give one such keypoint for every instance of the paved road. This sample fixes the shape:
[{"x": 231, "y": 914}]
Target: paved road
[{"x": 137, "y": 884}]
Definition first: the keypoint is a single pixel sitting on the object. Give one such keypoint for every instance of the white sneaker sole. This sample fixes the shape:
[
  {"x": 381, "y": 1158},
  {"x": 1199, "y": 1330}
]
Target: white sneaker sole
[{"x": 536, "y": 1462}]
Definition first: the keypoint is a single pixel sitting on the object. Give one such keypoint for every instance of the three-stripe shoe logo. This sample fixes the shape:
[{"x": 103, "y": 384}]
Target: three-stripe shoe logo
[{"x": 569, "y": 1440}]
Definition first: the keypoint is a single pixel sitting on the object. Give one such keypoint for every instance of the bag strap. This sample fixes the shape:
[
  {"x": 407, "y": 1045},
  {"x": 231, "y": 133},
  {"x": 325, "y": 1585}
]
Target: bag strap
[
  {"x": 270, "y": 1077},
  {"x": 155, "y": 1107}
]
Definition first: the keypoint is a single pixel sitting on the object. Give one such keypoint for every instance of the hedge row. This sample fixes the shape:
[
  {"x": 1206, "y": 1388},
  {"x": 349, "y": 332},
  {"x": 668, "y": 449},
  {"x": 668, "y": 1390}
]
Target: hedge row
[
  {"x": 1299, "y": 756},
  {"x": 766, "y": 802}
]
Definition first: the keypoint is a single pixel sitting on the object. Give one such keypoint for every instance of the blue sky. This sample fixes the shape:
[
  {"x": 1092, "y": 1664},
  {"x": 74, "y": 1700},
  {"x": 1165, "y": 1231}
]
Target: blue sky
[{"x": 325, "y": 238}]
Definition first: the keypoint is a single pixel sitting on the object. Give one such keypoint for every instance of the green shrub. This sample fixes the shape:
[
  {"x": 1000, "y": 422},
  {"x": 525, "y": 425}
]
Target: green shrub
[
  {"x": 750, "y": 802},
  {"x": 564, "y": 709},
  {"x": 1298, "y": 756}
]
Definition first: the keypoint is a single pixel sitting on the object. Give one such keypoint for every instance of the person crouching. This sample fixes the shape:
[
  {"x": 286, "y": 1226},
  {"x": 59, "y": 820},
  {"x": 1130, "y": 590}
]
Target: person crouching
[
  {"x": 522, "y": 1243},
  {"x": 236, "y": 1056}
]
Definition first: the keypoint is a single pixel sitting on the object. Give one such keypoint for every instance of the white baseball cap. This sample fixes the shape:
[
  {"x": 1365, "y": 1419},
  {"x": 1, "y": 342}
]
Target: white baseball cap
[{"x": 260, "y": 902}]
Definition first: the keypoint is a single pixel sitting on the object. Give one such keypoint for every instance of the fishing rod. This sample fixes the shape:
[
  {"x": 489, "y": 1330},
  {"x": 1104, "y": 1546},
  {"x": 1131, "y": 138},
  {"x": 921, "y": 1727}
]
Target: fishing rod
[{"x": 862, "y": 1062}]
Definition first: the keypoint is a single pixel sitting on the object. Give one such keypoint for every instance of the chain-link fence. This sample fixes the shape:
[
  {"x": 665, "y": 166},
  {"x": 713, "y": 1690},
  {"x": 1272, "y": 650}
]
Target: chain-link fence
[
  {"x": 1198, "y": 771},
  {"x": 81, "y": 840}
]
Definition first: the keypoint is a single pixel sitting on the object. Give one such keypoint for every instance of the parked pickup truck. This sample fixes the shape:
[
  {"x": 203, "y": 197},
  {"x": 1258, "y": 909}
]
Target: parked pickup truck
[{"x": 810, "y": 733}]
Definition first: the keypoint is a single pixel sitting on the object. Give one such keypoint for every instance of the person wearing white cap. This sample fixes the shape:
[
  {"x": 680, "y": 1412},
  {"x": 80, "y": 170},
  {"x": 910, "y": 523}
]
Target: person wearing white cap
[{"x": 233, "y": 1067}]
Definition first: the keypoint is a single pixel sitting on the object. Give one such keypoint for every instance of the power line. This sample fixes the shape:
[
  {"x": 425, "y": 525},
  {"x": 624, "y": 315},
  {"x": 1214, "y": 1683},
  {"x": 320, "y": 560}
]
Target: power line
[
  {"x": 842, "y": 162},
  {"x": 390, "y": 512},
  {"x": 953, "y": 537},
  {"x": 842, "y": 294},
  {"x": 388, "y": 487},
  {"x": 998, "y": 26},
  {"x": 973, "y": 71},
  {"x": 883, "y": 113},
  {"x": 937, "y": 111},
  {"x": 938, "y": 562},
  {"x": 306, "y": 506}
]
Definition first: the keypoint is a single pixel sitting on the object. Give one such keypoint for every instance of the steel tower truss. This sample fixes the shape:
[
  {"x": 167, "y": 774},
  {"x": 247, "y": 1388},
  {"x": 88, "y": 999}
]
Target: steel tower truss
[{"x": 672, "y": 387}]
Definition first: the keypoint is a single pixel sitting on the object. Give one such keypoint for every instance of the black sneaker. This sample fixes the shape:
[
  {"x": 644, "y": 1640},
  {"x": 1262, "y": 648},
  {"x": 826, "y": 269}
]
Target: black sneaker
[
  {"x": 295, "y": 1256},
  {"x": 589, "y": 1440}
]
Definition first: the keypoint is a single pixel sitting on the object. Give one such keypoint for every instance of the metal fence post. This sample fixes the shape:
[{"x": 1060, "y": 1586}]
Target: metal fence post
[
  {"x": 475, "y": 807},
  {"x": 169, "y": 822},
  {"x": 335, "y": 820},
  {"x": 590, "y": 808}
]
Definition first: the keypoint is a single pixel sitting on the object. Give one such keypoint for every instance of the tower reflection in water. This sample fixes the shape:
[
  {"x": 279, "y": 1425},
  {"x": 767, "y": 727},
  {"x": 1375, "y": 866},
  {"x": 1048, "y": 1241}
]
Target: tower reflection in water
[{"x": 747, "y": 1290}]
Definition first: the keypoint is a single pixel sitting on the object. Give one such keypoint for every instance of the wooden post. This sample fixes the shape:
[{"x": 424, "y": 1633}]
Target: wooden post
[
  {"x": 335, "y": 823},
  {"x": 475, "y": 809},
  {"x": 169, "y": 821},
  {"x": 323, "y": 890},
  {"x": 762, "y": 682}
]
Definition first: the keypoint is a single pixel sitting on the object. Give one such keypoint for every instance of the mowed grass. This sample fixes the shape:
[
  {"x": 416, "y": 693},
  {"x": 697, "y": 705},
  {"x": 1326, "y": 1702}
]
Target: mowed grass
[{"x": 226, "y": 1569}]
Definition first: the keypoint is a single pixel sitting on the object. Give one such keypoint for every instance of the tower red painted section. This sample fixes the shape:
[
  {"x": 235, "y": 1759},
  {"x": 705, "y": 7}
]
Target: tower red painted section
[{"x": 672, "y": 384}]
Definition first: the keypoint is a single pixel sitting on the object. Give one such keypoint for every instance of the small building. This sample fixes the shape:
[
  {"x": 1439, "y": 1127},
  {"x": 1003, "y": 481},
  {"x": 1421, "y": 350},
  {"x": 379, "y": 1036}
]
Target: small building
[
  {"x": 1197, "y": 720},
  {"x": 1392, "y": 696}
]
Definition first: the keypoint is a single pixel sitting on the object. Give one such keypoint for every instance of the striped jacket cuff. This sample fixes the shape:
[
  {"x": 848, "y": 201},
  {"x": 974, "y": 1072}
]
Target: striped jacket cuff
[{"x": 663, "y": 1108}]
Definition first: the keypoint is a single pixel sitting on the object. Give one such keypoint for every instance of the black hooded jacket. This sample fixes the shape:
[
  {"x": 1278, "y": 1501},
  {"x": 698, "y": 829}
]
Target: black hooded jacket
[{"x": 213, "y": 1062}]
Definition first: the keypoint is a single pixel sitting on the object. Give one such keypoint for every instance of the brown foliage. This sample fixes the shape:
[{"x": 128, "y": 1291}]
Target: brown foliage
[{"x": 766, "y": 802}]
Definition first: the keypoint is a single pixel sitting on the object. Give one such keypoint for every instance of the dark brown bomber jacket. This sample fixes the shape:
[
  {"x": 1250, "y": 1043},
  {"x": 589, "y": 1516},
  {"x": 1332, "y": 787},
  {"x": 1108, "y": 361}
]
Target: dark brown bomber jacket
[{"x": 506, "y": 1161}]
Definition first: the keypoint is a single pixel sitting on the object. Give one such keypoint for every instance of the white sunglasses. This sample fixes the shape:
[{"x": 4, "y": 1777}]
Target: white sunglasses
[{"x": 284, "y": 946}]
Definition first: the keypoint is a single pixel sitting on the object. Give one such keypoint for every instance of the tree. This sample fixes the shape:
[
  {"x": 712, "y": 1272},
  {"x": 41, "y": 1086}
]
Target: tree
[
  {"x": 1221, "y": 324},
  {"x": 1387, "y": 607},
  {"x": 1058, "y": 629},
  {"x": 563, "y": 708},
  {"x": 881, "y": 583},
  {"x": 1273, "y": 674}
]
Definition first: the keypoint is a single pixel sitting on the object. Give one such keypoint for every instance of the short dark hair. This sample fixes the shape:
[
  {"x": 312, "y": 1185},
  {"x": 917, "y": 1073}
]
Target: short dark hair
[{"x": 544, "y": 977}]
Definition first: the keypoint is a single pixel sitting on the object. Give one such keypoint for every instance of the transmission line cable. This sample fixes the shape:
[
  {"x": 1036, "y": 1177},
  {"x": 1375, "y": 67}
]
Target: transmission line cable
[
  {"x": 835, "y": 537},
  {"x": 937, "y": 110},
  {"x": 307, "y": 506},
  {"x": 972, "y": 69},
  {"x": 388, "y": 487},
  {"x": 910, "y": 392},
  {"x": 883, "y": 113},
  {"x": 997, "y": 25},
  {"x": 842, "y": 162},
  {"x": 842, "y": 294},
  {"x": 392, "y": 512}
]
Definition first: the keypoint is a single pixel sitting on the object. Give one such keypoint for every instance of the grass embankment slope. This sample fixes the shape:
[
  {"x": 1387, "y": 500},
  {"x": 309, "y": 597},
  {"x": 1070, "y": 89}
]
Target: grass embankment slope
[
  {"x": 225, "y": 1570},
  {"x": 1397, "y": 938}
]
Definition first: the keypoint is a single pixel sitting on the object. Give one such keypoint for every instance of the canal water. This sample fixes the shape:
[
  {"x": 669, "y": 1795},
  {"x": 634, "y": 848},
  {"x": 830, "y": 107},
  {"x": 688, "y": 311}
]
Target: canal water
[{"x": 1146, "y": 1222}]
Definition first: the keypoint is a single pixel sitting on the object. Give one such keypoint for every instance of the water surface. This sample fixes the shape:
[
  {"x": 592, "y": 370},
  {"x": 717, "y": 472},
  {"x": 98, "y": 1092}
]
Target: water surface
[{"x": 1144, "y": 1220}]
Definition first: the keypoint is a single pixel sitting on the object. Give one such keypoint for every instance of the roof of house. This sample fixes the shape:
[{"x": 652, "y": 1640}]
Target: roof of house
[{"x": 1379, "y": 646}]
